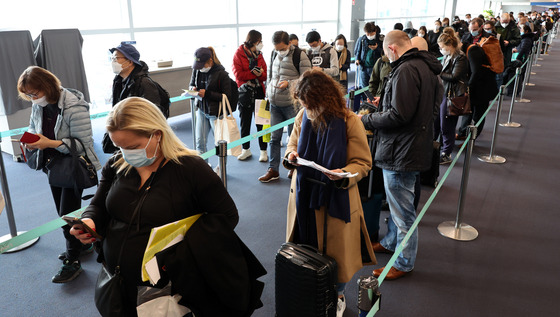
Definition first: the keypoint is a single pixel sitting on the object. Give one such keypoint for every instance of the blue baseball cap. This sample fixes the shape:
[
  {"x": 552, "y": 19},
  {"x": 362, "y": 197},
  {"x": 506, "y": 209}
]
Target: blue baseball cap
[
  {"x": 201, "y": 56},
  {"x": 129, "y": 51}
]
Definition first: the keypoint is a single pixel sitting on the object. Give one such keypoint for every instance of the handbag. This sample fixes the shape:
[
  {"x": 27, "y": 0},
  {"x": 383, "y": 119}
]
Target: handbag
[
  {"x": 459, "y": 106},
  {"x": 73, "y": 170},
  {"x": 226, "y": 127},
  {"x": 109, "y": 288}
]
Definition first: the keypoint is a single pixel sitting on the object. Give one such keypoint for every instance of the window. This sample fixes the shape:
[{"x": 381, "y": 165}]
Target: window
[{"x": 166, "y": 13}]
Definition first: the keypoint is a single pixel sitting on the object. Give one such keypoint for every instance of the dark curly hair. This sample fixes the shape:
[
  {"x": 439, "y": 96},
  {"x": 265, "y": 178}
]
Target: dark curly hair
[{"x": 318, "y": 91}]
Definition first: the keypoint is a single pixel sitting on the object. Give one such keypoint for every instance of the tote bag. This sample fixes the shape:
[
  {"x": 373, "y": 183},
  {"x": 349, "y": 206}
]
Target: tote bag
[
  {"x": 262, "y": 111},
  {"x": 226, "y": 127}
]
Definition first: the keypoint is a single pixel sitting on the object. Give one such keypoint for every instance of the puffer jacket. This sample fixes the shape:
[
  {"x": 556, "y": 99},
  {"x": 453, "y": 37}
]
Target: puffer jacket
[
  {"x": 326, "y": 58},
  {"x": 283, "y": 69},
  {"x": 455, "y": 74},
  {"x": 216, "y": 82},
  {"x": 242, "y": 68},
  {"x": 410, "y": 101},
  {"x": 135, "y": 85},
  {"x": 73, "y": 121}
]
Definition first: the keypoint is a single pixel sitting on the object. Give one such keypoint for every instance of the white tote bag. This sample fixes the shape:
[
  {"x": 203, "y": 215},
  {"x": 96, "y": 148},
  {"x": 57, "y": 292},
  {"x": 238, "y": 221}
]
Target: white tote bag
[{"x": 226, "y": 127}]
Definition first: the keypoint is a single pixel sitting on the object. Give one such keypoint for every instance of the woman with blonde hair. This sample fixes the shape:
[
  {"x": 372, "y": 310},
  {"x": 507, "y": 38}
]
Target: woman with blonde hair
[{"x": 153, "y": 180}]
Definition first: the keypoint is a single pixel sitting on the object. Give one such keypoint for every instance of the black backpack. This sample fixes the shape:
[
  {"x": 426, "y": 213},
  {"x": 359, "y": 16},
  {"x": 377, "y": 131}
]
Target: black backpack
[{"x": 165, "y": 102}]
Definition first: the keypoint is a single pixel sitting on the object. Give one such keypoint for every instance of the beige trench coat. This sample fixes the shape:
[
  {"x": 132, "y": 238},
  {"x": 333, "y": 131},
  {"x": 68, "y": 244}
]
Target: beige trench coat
[{"x": 343, "y": 239}]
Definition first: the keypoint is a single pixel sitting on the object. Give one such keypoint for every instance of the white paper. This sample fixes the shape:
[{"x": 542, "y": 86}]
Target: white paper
[
  {"x": 191, "y": 93},
  {"x": 304, "y": 162},
  {"x": 152, "y": 265}
]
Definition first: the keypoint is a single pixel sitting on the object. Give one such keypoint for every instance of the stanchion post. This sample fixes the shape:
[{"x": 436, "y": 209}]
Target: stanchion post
[
  {"x": 539, "y": 46},
  {"x": 193, "y": 122},
  {"x": 525, "y": 80},
  {"x": 530, "y": 70},
  {"x": 221, "y": 150},
  {"x": 351, "y": 96},
  {"x": 509, "y": 123},
  {"x": 458, "y": 230},
  {"x": 10, "y": 210},
  {"x": 491, "y": 158}
]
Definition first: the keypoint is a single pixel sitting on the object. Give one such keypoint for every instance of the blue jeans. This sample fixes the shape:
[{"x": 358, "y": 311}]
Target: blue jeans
[
  {"x": 365, "y": 74},
  {"x": 399, "y": 187},
  {"x": 278, "y": 115},
  {"x": 204, "y": 123}
]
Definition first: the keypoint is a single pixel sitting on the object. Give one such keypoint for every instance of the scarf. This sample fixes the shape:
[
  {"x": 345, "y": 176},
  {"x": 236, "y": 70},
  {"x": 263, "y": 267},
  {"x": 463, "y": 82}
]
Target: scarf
[
  {"x": 341, "y": 61},
  {"x": 326, "y": 148}
]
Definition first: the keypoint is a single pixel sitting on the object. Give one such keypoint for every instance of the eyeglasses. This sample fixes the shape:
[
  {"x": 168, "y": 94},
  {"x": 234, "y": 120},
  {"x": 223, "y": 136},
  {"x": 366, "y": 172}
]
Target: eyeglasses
[
  {"x": 115, "y": 58},
  {"x": 32, "y": 95}
]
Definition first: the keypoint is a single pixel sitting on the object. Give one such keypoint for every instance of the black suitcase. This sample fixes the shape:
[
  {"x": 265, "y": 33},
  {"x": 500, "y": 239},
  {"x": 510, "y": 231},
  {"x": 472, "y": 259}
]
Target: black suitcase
[
  {"x": 430, "y": 177},
  {"x": 305, "y": 282}
]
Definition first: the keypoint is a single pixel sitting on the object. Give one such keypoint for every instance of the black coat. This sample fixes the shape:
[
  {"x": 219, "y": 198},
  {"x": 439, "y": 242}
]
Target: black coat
[
  {"x": 433, "y": 46},
  {"x": 455, "y": 74},
  {"x": 213, "y": 270},
  {"x": 482, "y": 81},
  {"x": 135, "y": 85},
  {"x": 216, "y": 82},
  {"x": 410, "y": 101}
]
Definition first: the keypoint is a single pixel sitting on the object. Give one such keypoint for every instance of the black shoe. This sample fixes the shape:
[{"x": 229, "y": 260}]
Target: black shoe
[
  {"x": 86, "y": 249},
  {"x": 68, "y": 272}
]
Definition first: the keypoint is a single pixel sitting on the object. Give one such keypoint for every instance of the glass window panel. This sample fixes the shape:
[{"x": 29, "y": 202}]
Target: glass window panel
[
  {"x": 474, "y": 7},
  {"x": 326, "y": 30},
  {"x": 149, "y": 13},
  {"x": 268, "y": 11},
  {"x": 314, "y": 10}
]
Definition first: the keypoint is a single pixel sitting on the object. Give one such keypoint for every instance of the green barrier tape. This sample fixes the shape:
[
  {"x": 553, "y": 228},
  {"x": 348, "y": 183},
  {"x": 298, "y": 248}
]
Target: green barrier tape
[{"x": 36, "y": 232}]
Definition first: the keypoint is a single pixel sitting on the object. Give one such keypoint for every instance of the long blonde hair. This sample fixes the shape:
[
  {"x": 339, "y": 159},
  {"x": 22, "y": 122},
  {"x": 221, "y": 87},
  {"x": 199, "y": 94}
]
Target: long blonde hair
[{"x": 143, "y": 118}]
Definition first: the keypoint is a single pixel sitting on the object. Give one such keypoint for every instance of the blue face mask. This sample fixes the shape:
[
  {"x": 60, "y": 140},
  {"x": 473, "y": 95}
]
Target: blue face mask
[
  {"x": 475, "y": 33},
  {"x": 138, "y": 157},
  {"x": 522, "y": 33}
]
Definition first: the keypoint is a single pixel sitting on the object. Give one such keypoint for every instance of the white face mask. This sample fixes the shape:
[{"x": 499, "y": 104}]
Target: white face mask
[
  {"x": 42, "y": 102},
  {"x": 260, "y": 46},
  {"x": 444, "y": 51},
  {"x": 370, "y": 37},
  {"x": 205, "y": 69},
  {"x": 117, "y": 68},
  {"x": 283, "y": 53},
  {"x": 316, "y": 49},
  {"x": 421, "y": 34},
  {"x": 339, "y": 48}
]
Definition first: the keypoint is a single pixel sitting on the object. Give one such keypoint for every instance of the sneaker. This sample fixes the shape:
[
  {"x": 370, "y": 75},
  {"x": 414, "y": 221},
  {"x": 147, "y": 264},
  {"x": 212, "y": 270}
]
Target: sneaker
[
  {"x": 68, "y": 272},
  {"x": 269, "y": 176},
  {"x": 340, "y": 306},
  {"x": 245, "y": 154},
  {"x": 444, "y": 159},
  {"x": 263, "y": 157},
  {"x": 86, "y": 249}
]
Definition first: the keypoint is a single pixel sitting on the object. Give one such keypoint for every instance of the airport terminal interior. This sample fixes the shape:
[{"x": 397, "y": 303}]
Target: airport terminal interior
[{"x": 509, "y": 269}]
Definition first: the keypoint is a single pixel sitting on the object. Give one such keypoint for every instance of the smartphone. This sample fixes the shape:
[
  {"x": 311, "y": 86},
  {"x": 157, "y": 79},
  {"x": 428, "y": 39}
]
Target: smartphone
[
  {"x": 77, "y": 221},
  {"x": 369, "y": 95},
  {"x": 29, "y": 138}
]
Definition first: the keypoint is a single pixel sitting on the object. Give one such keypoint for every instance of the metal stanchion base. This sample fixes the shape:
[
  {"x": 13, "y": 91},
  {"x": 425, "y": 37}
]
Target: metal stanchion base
[
  {"x": 511, "y": 124},
  {"x": 495, "y": 159},
  {"x": 539, "y": 59},
  {"x": 18, "y": 248},
  {"x": 530, "y": 84},
  {"x": 537, "y": 65},
  {"x": 523, "y": 100},
  {"x": 465, "y": 232}
]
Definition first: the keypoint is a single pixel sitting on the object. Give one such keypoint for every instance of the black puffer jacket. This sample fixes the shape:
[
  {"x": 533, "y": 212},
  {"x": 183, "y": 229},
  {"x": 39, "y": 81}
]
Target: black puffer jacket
[
  {"x": 455, "y": 74},
  {"x": 135, "y": 85},
  {"x": 405, "y": 126},
  {"x": 216, "y": 82}
]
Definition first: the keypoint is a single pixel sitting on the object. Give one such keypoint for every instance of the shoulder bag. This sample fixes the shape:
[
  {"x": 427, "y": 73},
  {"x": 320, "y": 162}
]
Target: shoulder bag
[
  {"x": 458, "y": 106},
  {"x": 72, "y": 170},
  {"x": 109, "y": 288}
]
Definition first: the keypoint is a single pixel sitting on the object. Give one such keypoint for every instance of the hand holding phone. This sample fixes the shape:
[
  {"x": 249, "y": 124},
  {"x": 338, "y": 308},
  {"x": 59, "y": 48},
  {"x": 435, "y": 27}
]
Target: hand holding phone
[{"x": 75, "y": 221}]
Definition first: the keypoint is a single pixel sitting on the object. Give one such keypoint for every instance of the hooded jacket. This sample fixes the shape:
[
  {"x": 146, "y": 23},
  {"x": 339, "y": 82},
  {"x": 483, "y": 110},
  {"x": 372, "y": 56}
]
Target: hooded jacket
[
  {"x": 72, "y": 121},
  {"x": 326, "y": 58},
  {"x": 410, "y": 101},
  {"x": 135, "y": 85},
  {"x": 216, "y": 82}
]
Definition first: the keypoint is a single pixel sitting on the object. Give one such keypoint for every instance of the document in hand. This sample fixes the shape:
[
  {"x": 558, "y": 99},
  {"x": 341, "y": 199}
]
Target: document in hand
[
  {"x": 160, "y": 239},
  {"x": 304, "y": 162},
  {"x": 192, "y": 93}
]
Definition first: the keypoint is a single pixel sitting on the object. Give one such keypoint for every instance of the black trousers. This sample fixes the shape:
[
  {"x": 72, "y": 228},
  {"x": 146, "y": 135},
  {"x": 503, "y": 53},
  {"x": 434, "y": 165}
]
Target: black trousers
[
  {"x": 66, "y": 201},
  {"x": 245, "y": 118}
]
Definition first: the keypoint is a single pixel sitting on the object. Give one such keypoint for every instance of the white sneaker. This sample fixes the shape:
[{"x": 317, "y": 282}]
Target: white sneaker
[
  {"x": 263, "y": 157},
  {"x": 340, "y": 307},
  {"x": 245, "y": 154}
]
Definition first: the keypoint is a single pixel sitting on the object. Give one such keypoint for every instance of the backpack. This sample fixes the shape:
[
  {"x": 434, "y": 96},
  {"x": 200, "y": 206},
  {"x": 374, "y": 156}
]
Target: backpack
[
  {"x": 296, "y": 58},
  {"x": 163, "y": 97},
  {"x": 493, "y": 51}
]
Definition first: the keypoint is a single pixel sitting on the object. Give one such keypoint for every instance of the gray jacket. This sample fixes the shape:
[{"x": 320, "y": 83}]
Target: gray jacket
[
  {"x": 283, "y": 68},
  {"x": 73, "y": 120}
]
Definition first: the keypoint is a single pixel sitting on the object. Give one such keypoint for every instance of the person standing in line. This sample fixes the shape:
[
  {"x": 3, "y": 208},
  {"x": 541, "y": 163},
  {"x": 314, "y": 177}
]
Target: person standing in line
[
  {"x": 509, "y": 37},
  {"x": 367, "y": 51},
  {"x": 475, "y": 35},
  {"x": 410, "y": 30},
  {"x": 454, "y": 76},
  {"x": 211, "y": 81},
  {"x": 294, "y": 40},
  {"x": 249, "y": 69},
  {"x": 404, "y": 140},
  {"x": 344, "y": 57},
  {"x": 322, "y": 55},
  {"x": 287, "y": 63},
  {"x": 58, "y": 114},
  {"x": 433, "y": 35}
]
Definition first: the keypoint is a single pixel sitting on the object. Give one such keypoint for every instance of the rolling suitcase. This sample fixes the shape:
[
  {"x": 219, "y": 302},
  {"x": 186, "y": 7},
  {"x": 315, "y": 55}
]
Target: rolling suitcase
[
  {"x": 305, "y": 281},
  {"x": 430, "y": 177}
]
